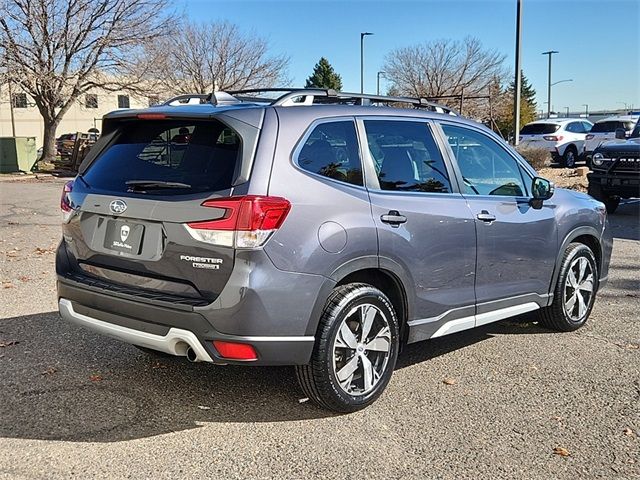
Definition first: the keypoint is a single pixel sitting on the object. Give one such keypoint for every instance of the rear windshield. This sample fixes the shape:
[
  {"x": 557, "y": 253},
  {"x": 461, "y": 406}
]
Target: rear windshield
[
  {"x": 611, "y": 126},
  {"x": 193, "y": 156},
  {"x": 539, "y": 129}
]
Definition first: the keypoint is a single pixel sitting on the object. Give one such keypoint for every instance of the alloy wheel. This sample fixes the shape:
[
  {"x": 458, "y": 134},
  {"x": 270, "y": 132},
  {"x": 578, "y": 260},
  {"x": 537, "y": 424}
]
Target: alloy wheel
[
  {"x": 361, "y": 349},
  {"x": 578, "y": 289}
]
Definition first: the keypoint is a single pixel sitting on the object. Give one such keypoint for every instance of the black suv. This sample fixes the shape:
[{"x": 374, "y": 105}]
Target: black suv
[{"x": 616, "y": 169}]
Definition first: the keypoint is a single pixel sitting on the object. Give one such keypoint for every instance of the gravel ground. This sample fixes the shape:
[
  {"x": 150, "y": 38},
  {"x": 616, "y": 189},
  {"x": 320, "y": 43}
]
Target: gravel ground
[{"x": 73, "y": 403}]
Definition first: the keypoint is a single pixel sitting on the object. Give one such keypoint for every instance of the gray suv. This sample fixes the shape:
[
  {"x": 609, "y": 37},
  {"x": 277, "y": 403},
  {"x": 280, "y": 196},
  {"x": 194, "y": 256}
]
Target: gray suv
[{"x": 318, "y": 229}]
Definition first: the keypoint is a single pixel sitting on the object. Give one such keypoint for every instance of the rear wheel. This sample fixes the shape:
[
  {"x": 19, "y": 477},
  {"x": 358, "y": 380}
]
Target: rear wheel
[
  {"x": 570, "y": 156},
  {"x": 575, "y": 290},
  {"x": 355, "y": 352}
]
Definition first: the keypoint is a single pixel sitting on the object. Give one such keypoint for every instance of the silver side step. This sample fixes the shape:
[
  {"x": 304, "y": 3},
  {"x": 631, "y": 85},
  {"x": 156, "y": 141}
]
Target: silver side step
[{"x": 176, "y": 342}]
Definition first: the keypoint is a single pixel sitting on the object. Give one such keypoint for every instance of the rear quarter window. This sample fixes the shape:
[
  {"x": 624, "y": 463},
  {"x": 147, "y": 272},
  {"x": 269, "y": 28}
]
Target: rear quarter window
[
  {"x": 200, "y": 154},
  {"x": 610, "y": 126}
]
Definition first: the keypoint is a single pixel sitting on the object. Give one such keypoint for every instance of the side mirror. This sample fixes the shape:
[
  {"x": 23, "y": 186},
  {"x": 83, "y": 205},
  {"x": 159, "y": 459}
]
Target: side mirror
[
  {"x": 621, "y": 134},
  {"x": 541, "y": 189}
]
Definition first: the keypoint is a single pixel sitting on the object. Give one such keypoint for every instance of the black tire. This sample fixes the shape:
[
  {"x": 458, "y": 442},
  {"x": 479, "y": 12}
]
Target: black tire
[
  {"x": 153, "y": 353},
  {"x": 318, "y": 379},
  {"x": 570, "y": 156},
  {"x": 556, "y": 316}
]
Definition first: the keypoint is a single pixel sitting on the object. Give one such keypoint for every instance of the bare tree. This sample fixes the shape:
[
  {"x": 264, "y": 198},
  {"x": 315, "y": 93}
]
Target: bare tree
[
  {"x": 443, "y": 68},
  {"x": 203, "y": 55},
  {"x": 57, "y": 50}
]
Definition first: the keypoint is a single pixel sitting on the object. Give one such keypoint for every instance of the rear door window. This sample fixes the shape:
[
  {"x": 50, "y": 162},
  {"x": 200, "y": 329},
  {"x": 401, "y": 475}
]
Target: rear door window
[
  {"x": 187, "y": 156},
  {"x": 406, "y": 157}
]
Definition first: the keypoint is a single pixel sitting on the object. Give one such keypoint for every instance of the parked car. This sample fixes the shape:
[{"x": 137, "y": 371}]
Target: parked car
[
  {"x": 563, "y": 137},
  {"x": 616, "y": 169},
  {"x": 605, "y": 129},
  {"x": 317, "y": 232}
]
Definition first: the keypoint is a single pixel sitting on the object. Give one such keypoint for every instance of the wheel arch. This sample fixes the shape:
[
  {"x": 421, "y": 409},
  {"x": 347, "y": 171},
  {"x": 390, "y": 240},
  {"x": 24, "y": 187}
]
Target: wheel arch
[
  {"x": 389, "y": 284},
  {"x": 586, "y": 235}
]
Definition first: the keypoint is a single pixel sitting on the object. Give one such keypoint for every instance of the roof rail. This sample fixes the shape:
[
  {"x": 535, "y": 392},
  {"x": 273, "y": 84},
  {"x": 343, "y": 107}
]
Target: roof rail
[
  {"x": 214, "y": 98},
  {"x": 310, "y": 96},
  {"x": 303, "y": 96}
]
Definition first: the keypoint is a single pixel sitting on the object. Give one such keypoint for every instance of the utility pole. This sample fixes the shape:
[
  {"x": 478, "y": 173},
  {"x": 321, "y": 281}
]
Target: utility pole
[
  {"x": 550, "y": 53},
  {"x": 378, "y": 83},
  {"x": 362, "y": 35},
  {"x": 13, "y": 120},
  {"x": 518, "y": 79}
]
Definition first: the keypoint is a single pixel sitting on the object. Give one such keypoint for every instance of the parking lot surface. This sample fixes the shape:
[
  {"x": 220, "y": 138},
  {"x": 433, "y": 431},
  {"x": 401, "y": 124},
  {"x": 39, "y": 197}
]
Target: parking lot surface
[{"x": 493, "y": 402}]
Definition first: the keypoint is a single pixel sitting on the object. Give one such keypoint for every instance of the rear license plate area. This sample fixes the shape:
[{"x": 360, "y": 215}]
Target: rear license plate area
[{"x": 124, "y": 237}]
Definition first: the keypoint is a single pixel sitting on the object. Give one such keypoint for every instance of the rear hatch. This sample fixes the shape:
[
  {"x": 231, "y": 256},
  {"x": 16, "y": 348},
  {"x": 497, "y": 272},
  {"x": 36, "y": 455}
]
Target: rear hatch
[
  {"x": 605, "y": 130},
  {"x": 134, "y": 211}
]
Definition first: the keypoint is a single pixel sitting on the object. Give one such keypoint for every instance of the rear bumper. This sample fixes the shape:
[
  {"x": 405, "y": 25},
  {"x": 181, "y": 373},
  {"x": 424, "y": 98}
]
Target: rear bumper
[{"x": 171, "y": 331}]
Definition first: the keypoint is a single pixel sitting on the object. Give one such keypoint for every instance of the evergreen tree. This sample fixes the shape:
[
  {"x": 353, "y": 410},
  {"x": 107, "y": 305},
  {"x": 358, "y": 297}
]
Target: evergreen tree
[
  {"x": 504, "y": 117},
  {"x": 324, "y": 76}
]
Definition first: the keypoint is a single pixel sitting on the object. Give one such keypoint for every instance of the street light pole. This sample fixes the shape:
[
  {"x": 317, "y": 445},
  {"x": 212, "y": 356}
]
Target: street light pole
[
  {"x": 586, "y": 110},
  {"x": 567, "y": 111},
  {"x": 550, "y": 53},
  {"x": 518, "y": 79},
  {"x": 378, "y": 82},
  {"x": 362, "y": 35}
]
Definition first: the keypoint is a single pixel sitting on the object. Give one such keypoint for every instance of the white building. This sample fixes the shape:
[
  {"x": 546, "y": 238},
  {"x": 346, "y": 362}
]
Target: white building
[{"x": 86, "y": 113}]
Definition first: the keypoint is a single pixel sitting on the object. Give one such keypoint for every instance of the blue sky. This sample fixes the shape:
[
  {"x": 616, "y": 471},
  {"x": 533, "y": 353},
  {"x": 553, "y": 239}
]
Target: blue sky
[{"x": 598, "y": 40}]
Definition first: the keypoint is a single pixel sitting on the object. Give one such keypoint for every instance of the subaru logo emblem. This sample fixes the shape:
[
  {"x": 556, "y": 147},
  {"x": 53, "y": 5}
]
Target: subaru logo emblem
[{"x": 117, "y": 207}]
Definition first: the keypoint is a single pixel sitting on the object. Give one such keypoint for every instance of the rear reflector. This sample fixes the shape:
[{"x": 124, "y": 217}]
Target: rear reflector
[
  {"x": 248, "y": 221},
  {"x": 235, "y": 351},
  {"x": 590, "y": 136}
]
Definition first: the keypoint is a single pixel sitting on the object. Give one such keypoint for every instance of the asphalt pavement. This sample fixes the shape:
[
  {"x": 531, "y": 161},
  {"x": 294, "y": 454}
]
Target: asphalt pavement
[{"x": 493, "y": 402}]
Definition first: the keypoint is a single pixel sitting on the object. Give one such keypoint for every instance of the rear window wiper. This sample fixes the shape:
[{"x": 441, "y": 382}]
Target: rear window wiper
[{"x": 154, "y": 184}]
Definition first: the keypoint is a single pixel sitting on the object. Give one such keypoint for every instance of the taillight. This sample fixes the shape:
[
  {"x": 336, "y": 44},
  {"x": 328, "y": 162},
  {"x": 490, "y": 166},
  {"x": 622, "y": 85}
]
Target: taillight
[
  {"x": 247, "y": 222},
  {"x": 65, "y": 201},
  {"x": 589, "y": 136},
  {"x": 235, "y": 351},
  {"x": 553, "y": 138}
]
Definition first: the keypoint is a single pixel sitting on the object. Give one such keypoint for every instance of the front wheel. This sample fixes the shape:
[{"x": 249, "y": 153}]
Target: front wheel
[
  {"x": 575, "y": 290},
  {"x": 355, "y": 351}
]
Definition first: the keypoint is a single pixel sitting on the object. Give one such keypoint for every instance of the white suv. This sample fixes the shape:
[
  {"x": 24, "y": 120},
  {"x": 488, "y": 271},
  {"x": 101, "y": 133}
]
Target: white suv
[
  {"x": 605, "y": 129},
  {"x": 563, "y": 137}
]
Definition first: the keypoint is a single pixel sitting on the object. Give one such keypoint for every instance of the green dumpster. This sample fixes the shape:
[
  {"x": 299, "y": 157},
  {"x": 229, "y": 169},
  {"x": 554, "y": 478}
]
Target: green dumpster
[{"x": 17, "y": 154}]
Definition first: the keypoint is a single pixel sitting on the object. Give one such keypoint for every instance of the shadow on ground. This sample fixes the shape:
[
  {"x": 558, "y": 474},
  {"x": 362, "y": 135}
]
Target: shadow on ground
[
  {"x": 64, "y": 383},
  {"x": 625, "y": 222}
]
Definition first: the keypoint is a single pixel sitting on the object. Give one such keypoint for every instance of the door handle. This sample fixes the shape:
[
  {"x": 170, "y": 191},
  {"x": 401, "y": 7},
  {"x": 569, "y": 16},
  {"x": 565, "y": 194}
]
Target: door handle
[
  {"x": 486, "y": 216},
  {"x": 393, "y": 218}
]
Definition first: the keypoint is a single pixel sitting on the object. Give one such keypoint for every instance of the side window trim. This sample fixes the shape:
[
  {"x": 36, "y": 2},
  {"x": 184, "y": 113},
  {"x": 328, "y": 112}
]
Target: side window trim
[
  {"x": 522, "y": 166},
  {"x": 370, "y": 174},
  {"x": 305, "y": 136}
]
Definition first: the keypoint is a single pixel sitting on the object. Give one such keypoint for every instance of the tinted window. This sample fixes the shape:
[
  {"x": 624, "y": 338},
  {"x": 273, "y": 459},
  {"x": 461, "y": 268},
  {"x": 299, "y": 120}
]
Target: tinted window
[
  {"x": 636, "y": 131},
  {"x": 610, "y": 126},
  {"x": 406, "y": 156},
  {"x": 200, "y": 154},
  {"x": 487, "y": 169},
  {"x": 539, "y": 129},
  {"x": 332, "y": 151},
  {"x": 587, "y": 127}
]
